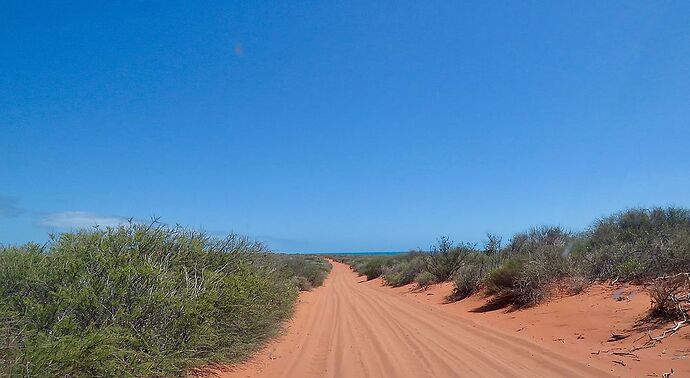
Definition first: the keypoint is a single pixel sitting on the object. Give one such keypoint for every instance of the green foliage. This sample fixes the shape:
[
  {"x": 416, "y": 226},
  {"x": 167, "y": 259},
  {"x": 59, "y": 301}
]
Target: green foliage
[
  {"x": 504, "y": 277},
  {"x": 445, "y": 258},
  {"x": 537, "y": 258},
  {"x": 638, "y": 244},
  {"x": 468, "y": 279},
  {"x": 404, "y": 271},
  {"x": 371, "y": 266},
  {"x": 138, "y": 301},
  {"x": 424, "y": 279},
  {"x": 308, "y": 271}
]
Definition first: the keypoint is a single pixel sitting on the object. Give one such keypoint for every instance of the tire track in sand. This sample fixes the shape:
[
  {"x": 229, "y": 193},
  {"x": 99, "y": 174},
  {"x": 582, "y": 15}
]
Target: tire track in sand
[{"x": 350, "y": 329}]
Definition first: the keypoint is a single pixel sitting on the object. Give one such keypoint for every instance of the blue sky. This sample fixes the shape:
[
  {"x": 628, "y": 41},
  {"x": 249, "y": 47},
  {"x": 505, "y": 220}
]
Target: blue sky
[{"x": 341, "y": 126}]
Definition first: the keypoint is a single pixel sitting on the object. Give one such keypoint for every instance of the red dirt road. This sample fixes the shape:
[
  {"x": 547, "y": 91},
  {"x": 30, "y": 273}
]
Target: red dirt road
[{"x": 350, "y": 329}]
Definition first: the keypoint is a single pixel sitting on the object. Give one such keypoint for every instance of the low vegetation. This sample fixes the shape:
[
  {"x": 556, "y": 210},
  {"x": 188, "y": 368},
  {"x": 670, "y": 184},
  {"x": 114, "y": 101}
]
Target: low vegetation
[
  {"x": 405, "y": 271},
  {"x": 142, "y": 300},
  {"x": 671, "y": 297},
  {"x": 307, "y": 271},
  {"x": 424, "y": 279},
  {"x": 151, "y": 300},
  {"x": 636, "y": 245}
]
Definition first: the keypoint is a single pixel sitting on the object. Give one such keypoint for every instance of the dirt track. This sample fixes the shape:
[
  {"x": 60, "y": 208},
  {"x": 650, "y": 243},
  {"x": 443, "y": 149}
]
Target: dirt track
[{"x": 350, "y": 329}]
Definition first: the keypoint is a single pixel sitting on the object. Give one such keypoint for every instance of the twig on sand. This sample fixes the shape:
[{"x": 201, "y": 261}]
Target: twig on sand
[
  {"x": 655, "y": 340},
  {"x": 679, "y": 299}
]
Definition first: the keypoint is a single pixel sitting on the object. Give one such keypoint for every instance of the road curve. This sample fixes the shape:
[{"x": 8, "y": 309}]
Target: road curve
[{"x": 350, "y": 329}]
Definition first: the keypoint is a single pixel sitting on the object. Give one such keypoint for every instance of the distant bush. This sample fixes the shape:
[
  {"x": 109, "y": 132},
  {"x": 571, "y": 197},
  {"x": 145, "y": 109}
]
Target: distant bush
[
  {"x": 372, "y": 266},
  {"x": 404, "y": 271},
  {"x": 634, "y": 245},
  {"x": 424, "y": 279},
  {"x": 308, "y": 271},
  {"x": 137, "y": 301}
]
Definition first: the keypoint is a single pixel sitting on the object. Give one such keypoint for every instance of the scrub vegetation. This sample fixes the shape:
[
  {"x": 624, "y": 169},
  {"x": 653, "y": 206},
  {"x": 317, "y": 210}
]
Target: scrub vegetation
[
  {"x": 142, "y": 300},
  {"x": 636, "y": 245}
]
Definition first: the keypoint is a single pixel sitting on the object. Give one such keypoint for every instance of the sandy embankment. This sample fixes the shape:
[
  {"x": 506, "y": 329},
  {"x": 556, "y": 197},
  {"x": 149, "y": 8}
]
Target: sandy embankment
[{"x": 351, "y": 328}]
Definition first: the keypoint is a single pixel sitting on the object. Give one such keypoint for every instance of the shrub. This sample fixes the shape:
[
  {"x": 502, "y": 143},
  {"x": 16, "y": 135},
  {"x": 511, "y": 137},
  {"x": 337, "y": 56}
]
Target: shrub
[
  {"x": 537, "y": 258},
  {"x": 302, "y": 283},
  {"x": 403, "y": 272},
  {"x": 536, "y": 238},
  {"x": 10, "y": 332},
  {"x": 424, "y": 279},
  {"x": 136, "y": 301},
  {"x": 518, "y": 283},
  {"x": 372, "y": 266},
  {"x": 308, "y": 271},
  {"x": 532, "y": 284},
  {"x": 504, "y": 278},
  {"x": 445, "y": 258},
  {"x": 467, "y": 281},
  {"x": 638, "y": 244},
  {"x": 575, "y": 284},
  {"x": 671, "y": 297}
]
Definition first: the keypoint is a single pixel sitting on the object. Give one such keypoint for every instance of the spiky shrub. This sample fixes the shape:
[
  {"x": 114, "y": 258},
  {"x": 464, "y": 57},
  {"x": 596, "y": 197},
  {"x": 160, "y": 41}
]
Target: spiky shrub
[
  {"x": 137, "y": 301},
  {"x": 425, "y": 279}
]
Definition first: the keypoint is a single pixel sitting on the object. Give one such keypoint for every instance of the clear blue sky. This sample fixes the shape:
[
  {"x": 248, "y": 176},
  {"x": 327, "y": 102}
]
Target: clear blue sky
[{"x": 341, "y": 126}]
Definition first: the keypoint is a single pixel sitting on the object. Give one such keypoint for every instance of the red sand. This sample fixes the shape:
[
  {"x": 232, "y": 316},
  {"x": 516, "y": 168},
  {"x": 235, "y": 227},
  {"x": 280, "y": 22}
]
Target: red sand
[
  {"x": 579, "y": 326},
  {"x": 351, "y": 328}
]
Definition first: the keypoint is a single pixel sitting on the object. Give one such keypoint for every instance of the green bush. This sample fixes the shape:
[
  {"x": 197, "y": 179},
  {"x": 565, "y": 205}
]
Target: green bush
[
  {"x": 537, "y": 258},
  {"x": 638, "y": 244},
  {"x": 372, "y": 266},
  {"x": 516, "y": 283},
  {"x": 404, "y": 271},
  {"x": 136, "y": 301},
  {"x": 505, "y": 278},
  {"x": 445, "y": 258},
  {"x": 467, "y": 280},
  {"x": 424, "y": 279},
  {"x": 308, "y": 271}
]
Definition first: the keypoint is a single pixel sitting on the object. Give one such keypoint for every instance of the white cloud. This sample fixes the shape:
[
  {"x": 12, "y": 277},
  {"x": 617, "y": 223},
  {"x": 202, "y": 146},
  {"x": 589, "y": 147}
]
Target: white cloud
[{"x": 81, "y": 219}]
